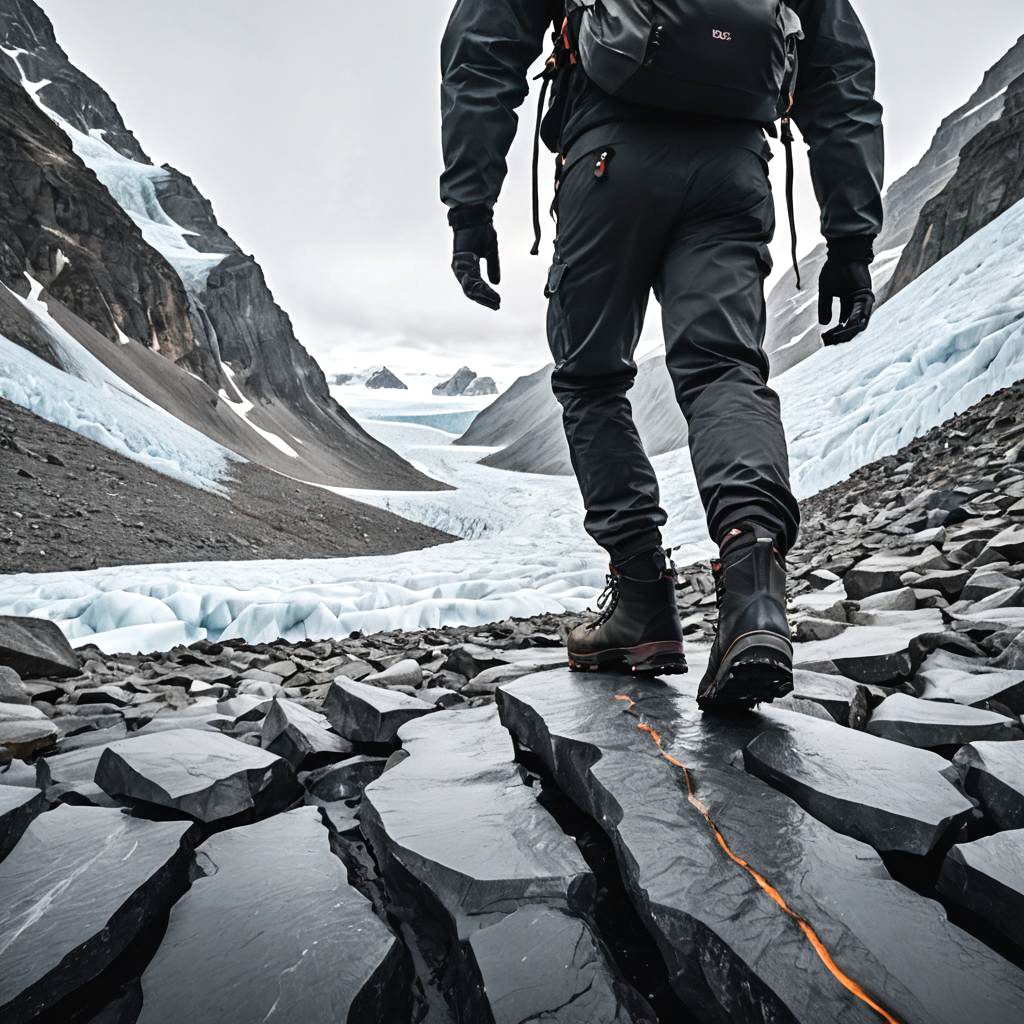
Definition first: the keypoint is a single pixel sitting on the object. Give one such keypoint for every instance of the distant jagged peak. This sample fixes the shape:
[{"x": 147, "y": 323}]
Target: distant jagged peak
[{"x": 456, "y": 384}]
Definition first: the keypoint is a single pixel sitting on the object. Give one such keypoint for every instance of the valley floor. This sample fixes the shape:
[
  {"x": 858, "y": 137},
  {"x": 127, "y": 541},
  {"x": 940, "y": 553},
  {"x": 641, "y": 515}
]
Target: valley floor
[{"x": 70, "y": 503}]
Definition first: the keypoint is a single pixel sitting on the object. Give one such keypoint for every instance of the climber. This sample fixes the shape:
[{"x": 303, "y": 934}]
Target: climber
[{"x": 658, "y": 115}]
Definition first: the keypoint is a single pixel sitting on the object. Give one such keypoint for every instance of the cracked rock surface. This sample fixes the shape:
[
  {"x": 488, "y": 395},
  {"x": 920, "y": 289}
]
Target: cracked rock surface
[
  {"x": 463, "y": 840},
  {"x": 686, "y": 821},
  {"x": 291, "y": 938}
]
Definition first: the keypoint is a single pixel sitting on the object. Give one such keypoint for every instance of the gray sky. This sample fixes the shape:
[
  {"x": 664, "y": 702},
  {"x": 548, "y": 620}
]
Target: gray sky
[{"x": 313, "y": 127}]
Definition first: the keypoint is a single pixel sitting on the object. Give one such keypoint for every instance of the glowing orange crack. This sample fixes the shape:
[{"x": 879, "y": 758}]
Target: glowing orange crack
[{"x": 809, "y": 933}]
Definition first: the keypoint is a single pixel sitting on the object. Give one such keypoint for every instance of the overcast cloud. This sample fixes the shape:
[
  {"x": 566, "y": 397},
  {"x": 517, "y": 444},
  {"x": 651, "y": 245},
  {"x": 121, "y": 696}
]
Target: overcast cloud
[{"x": 313, "y": 127}]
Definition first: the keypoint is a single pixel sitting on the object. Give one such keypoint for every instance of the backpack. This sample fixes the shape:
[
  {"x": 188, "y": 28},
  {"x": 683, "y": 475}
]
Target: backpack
[{"x": 732, "y": 59}]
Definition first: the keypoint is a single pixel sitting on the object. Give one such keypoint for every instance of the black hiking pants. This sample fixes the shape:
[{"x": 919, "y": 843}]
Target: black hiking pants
[{"x": 689, "y": 213}]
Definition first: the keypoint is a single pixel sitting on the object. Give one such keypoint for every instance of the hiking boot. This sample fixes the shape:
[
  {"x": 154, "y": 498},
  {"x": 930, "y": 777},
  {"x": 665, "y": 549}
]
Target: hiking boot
[
  {"x": 638, "y": 628},
  {"x": 752, "y": 657}
]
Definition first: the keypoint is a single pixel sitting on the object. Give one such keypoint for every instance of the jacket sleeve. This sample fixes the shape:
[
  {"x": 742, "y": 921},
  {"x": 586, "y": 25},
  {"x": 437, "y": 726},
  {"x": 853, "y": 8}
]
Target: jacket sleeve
[
  {"x": 840, "y": 119},
  {"x": 486, "y": 54}
]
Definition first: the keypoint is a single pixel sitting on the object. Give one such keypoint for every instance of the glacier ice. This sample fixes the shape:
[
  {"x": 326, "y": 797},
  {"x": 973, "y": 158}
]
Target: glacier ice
[{"x": 954, "y": 335}]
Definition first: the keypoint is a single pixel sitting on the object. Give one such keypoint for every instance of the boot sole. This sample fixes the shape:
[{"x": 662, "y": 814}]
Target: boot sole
[
  {"x": 757, "y": 669},
  {"x": 658, "y": 659}
]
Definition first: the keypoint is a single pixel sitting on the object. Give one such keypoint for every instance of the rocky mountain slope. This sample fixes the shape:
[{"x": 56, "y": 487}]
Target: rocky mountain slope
[
  {"x": 581, "y": 852},
  {"x": 71, "y": 503},
  {"x": 792, "y": 315},
  {"x": 989, "y": 180},
  {"x": 134, "y": 252}
]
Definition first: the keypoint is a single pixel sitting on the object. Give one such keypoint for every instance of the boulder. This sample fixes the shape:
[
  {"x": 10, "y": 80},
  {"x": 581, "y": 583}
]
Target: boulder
[
  {"x": 82, "y": 884},
  {"x": 870, "y": 654},
  {"x": 370, "y": 715},
  {"x": 202, "y": 775},
  {"x": 345, "y": 781},
  {"x": 884, "y": 571},
  {"x": 902, "y": 600},
  {"x": 18, "y": 806},
  {"x": 36, "y": 647},
  {"x": 1008, "y": 544},
  {"x": 271, "y": 929},
  {"x": 944, "y": 676},
  {"x": 890, "y": 796},
  {"x": 721, "y": 867},
  {"x": 986, "y": 877},
  {"x": 406, "y": 672},
  {"x": 845, "y": 700},
  {"x": 301, "y": 736},
  {"x": 993, "y": 774},
  {"x": 463, "y": 842},
  {"x": 24, "y": 731},
  {"x": 940, "y": 727},
  {"x": 12, "y": 690}
]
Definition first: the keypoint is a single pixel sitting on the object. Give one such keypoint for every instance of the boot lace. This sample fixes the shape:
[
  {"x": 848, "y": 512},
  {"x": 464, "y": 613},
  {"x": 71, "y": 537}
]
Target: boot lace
[{"x": 607, "y": 601}]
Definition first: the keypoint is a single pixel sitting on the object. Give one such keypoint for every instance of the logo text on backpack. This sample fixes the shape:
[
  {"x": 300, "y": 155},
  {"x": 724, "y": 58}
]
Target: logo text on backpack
[{"x": 718, "y": 33}]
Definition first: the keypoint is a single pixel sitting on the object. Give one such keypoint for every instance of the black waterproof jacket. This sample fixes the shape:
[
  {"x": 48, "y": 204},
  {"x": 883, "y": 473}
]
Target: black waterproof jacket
[{"x": 489, "y": 46}]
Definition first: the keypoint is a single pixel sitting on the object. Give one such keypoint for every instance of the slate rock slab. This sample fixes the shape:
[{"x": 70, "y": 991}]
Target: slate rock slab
[
  {"x": 934, "y": 726},
  {"x": 301, "y": 736},
  {"x": 731, "y": 952},
  {"x": 18, "y": 806},
  {"x": 845, "y": 700},
  {"x": 890, "y": 796},
  {"x": 36, "y": 647},
  {"x": 345, "y": 781},
  {"x": 12, "y": 690},
  {"x": 987, "y": 878},
  {"x": 464, "y": 845},
  {"x": 203, "y": 775},
  {"x": 370, "y": 715},
  {"x": 870, "y": 654},
  {"x": 24, "y": 730},
  {"x": 944, "y": 676},
  {"x": 884, "y": 571},
  {"x": 79, "y": 887},
  {"x": 993, "y": 773},
  {"x": 271, "y": 930}
]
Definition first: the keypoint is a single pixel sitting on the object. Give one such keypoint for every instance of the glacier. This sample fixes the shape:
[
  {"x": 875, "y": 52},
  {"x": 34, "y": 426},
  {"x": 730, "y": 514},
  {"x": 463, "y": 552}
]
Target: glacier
[{"x": 954, "y": 335}]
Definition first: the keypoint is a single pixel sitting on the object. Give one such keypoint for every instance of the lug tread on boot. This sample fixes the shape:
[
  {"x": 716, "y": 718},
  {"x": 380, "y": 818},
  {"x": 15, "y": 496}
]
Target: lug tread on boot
[{"x": 751, "y": 662}]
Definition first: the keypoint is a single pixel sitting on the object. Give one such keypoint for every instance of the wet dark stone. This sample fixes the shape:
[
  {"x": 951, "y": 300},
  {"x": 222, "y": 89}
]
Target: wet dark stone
[
  {"x": 993, "y": 773},
  {"x": 845, "y": 700},
  {"x": 36, "y": 647},
  {"x": 18, "y": 806},
  {"x": 890, "y": 796},
  {"x": 940, "y": 727},
  {"x": 370, "y": 715},
  {"x": 301, "y": 736},
  {"x": 951, "y": 677},
  {"x": 731, "y": 952},
  {"x": 271, "y": 930},
  {"x": 870, "y": 654},
  {"x": 986, "y": 877},
  {"x": 79, "y": 888},
  {"x": 464, "y": 845},
  {"x": 204, "y": 775},
  {"x": 344, "y": 781}
]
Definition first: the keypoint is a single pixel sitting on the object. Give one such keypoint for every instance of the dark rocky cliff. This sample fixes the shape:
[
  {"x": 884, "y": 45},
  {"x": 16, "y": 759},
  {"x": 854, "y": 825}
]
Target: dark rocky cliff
[
  {"x": 110, "y": 276},
  {"x": 989, "y": 180}
]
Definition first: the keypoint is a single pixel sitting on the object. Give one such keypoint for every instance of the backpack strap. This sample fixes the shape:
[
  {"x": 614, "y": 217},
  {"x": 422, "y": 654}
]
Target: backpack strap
[{"x": 787, "y": 142}]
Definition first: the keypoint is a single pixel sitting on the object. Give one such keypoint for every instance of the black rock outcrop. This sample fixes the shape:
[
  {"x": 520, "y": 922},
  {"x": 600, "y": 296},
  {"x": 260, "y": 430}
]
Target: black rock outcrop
[
  {"x": 79, "y": 887},
  {"x": 384, "y": 378},
  {"x": 456, "y": 384},
  {"x": 805, "y": 923},
  {"x": 271, "y": 929}
]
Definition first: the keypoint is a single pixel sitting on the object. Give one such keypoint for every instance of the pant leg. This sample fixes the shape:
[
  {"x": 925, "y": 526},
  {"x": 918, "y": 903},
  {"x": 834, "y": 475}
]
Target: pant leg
[
  {"x": 711, "y": 288},
  {"x": 611, "y": 231}
]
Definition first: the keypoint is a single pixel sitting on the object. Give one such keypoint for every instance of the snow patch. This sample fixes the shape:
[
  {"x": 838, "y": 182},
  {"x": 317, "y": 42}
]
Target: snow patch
[{"x": 242, "y": 407}]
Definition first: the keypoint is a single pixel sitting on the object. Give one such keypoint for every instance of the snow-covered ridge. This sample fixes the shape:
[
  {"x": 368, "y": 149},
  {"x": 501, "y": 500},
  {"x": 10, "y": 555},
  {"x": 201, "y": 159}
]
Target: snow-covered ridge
[{"x": 954, "y": 335}]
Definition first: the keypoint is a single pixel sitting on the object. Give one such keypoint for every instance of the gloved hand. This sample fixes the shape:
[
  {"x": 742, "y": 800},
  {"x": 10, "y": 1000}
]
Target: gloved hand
[
  {"x": 474, "y": 242},
  {"x": 846, "y": 276}
]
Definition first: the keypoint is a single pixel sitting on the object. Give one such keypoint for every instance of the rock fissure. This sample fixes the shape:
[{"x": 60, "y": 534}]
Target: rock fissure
[{"x": 763, "y": 884}]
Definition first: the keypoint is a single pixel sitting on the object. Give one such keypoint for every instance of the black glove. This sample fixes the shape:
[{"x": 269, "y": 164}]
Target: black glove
[
  {"x": 846, "y": 276},
  {"x": 475, "y": 239}
]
